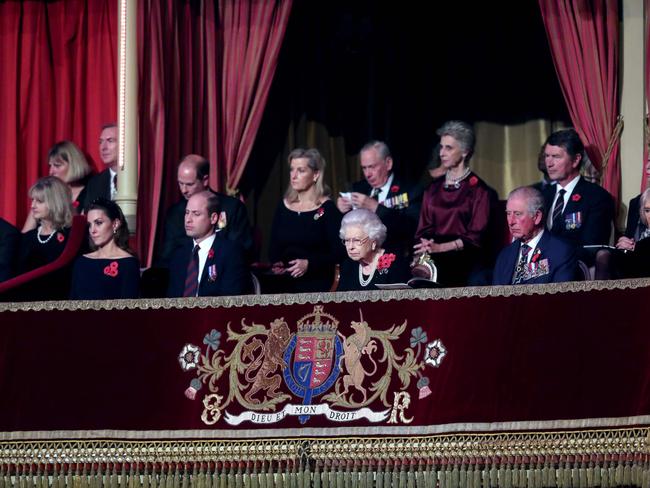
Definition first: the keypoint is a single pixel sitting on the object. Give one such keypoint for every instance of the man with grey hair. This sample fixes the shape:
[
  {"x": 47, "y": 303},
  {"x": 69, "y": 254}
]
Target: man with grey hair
[
  {"x": 535, "y": 255},
  {"x": 396, "y": 203}
]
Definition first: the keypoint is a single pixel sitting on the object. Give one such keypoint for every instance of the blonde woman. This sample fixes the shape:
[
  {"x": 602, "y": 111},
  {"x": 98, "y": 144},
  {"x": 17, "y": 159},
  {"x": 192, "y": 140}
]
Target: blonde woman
[
  {"x": 67, "y": 163},
  {"x": 304, "y": 246}
]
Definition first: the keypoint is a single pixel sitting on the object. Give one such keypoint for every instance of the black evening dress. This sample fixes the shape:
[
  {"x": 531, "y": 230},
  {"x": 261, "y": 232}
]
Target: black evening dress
[
  {"x": 312, "y": 235},
  {"x": 105, "y": 279},
  {"x": 396, "y": 272}
]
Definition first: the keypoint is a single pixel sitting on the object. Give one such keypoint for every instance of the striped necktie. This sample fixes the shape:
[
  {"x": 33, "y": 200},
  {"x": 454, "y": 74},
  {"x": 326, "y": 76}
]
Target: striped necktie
[
  {"x": 521, "y": 265},
  {"x": 558, "y": 208},
  {"x": 192, "y": 276}
]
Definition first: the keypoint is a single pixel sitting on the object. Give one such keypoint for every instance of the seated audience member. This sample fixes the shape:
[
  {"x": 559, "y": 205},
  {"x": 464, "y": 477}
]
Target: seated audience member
[
  {"x": 368, "y": 263},
  {"x": 9, "y": 241},
  {"x": 68, "y": 164},
  {"x": 395, "y": 202},
  {"x": 51, "y": 208},
  {"x": 193, "y": 177},
  {"x": 206, "y": 264},
  {"x": 634, "y": 260},
  {"x": 455, "y": 210},
  {"x": 578, "y": 210},
  {"x": 104, "y": 184},
  {"x": 535, "y": 256},
  {"x": 305, "y": 245},
  {"x": 636, "y": 221},
  {"x": 110, "y": 271}
]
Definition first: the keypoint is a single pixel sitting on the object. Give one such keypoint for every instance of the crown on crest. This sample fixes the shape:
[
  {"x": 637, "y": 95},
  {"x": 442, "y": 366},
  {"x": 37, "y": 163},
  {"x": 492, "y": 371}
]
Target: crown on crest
[{"x": 318, "y": 321}]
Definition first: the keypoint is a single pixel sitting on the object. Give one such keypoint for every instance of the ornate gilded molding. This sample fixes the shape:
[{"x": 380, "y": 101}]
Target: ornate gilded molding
[{"x": 340, "y": 297}]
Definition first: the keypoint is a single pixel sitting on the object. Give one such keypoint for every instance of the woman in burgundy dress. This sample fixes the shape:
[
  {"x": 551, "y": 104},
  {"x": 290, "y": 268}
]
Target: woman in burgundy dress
[{"x": 455, "y": 209}]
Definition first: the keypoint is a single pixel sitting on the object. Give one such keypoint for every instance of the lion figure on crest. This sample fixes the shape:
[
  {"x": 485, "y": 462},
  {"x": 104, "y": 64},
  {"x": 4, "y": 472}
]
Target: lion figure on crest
[{"x": 267, "y": 361}]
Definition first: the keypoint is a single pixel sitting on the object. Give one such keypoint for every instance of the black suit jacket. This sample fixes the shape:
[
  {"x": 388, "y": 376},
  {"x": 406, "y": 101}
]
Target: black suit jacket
[
  {"x": 232, "y": 274},
  {"x": 9, "y": 241},
  {"x": 560, "y": 255},
  {"x": 401, "y": 222},
  {"x": 237, "y": 227},
  {"x": 99, "y": 185},
  {"x": 633, "y": 218},
  {"x": 596, "y": 208}
]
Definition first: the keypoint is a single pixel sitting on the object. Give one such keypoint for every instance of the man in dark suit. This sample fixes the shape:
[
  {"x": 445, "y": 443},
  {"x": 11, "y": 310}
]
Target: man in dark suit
[
  {"x": 104, "y": 184},
  {"x": 535, "y": 256},
  {"x": 193, "y": 177},
  {"x": 206, "y": 264},
  {"x": 395, "y": 202},
  {"x": 9, "y": 241},
  {"x": 579, "y": 211}
]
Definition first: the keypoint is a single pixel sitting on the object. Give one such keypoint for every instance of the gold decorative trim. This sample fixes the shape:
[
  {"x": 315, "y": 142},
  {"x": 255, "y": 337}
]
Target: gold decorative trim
[
  {"x": 498, "y": 447},
  {"x": 337, "y": 297}
]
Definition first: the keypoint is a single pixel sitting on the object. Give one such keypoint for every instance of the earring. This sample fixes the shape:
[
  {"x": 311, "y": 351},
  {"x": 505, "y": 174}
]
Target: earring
[
  {"x": 114, "y": 230},
  {"x": 374, "y": 246}
]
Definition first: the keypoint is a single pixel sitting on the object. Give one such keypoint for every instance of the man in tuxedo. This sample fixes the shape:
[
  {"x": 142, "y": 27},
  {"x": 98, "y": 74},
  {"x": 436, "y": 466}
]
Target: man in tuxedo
[
  {"x": 193, "y": 177},
  {"x": 104, "y": 184},
  {"x": 206, "y": 264},
  {"x": 535, "y": 256},
  {"x": 396, "y": 203},
  {"x": 579, "y": 211},
  {"x": 9, "y": 242}
]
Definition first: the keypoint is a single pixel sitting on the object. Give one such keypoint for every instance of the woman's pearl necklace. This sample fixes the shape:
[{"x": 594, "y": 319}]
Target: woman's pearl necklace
[
  {"x": 455, "y": 182},
  {"x": 373, "y": 267},
  {"x": 38, "y": 236}
]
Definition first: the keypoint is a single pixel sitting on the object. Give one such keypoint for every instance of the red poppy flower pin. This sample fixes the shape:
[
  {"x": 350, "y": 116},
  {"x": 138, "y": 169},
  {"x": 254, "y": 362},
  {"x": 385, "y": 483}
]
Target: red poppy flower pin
[
  {"x": 319, "y": 213},
  {"x": 576, "y": 197},
  {"x": 210, "y": 253},
  {"x": 473, "y": 181},
  {"x": 385, "y": 261},
  {"x": 60, "y": 237},
  {"x": 75, "y": 204},
  {"x": 112, "y": 269},
  {"x": 394, "y": 189},
  {"x": 536, "y": 256}
]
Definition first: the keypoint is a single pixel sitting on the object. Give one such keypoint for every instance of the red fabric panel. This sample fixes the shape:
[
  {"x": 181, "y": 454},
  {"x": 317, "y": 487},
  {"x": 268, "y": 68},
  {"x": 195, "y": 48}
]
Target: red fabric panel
[
  {"x": 524, "y": 358},
  {"x": 584, "y": 40},
  {"x": 63, "y": 86}
]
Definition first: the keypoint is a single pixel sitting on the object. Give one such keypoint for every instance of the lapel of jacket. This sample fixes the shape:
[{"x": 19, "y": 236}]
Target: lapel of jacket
[
  {"x": 209, "y": 262},
  {"x": 573, "y": 206}
]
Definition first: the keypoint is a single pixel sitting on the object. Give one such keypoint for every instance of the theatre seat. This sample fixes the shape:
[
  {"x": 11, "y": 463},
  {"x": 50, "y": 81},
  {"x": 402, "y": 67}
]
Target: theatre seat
[{"x": 31, "y": 285}]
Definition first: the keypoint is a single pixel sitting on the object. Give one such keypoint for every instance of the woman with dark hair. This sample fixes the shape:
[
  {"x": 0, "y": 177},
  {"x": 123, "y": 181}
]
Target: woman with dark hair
[
  {"x": 304, "y": 245},
  {"x": 111, "y": 270},
  {"x": 455, "y": 210}
]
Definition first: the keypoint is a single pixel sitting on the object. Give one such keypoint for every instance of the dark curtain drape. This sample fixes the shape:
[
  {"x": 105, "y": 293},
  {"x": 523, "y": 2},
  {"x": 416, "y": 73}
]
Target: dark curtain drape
[
  {"x": 584, "y": 40},
  {"x": 59, "y": 82},
  {"x": 205, "y": 71}
]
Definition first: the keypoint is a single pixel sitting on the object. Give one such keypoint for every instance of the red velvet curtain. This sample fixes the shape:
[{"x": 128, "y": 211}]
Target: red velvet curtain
[
  {"x": 205, "y": 72},
  {"x": 584, "y": 40},
  {"x": 251, "y": 35},
  {"x": 59, "y": 82}
]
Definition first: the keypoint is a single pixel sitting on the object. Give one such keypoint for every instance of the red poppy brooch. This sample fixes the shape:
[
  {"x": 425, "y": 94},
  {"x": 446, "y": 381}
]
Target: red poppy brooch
[
  {"x": 473, "y": 181},
  {"x": 384, "y": 262},
  {"x": 75, "y": 204},
  {"x": 319, "y": 213},
  {"x": 536, "y": 256},
  {"x": 210, "y": 253},
  {"x": 112, "y": 269},
  {"x": 394, "y": 189},
  {"x": 60, "y": 237},
  {"x": 576, "y": 197}
]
